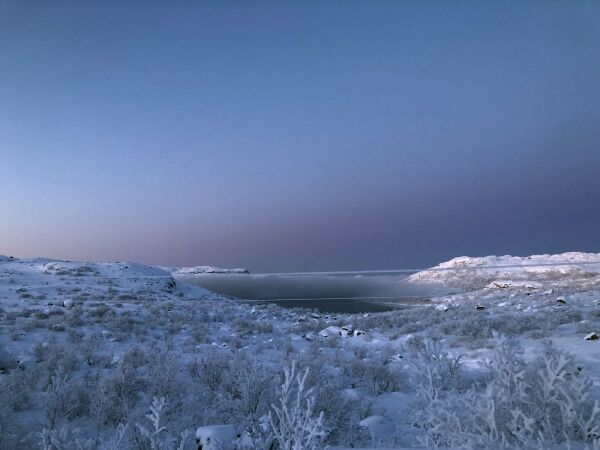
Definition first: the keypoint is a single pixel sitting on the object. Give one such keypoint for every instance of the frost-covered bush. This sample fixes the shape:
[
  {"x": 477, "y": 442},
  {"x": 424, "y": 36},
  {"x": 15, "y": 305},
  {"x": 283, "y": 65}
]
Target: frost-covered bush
[
  {"x": 472, "y": 328},
  {"x": 10, "y": 431},
  {"x": 343, "y": 413},
  {"x": 293, "y": 420},
  {"x": 157, "y": 436},
  {"x": 65, "y": 397},
  {"x": 522, "y": 405},
  {"x": 75, "y": 336},
  {"x": 126, "y": 322},
  {"x": 415, "y": 345},
  {"x": 383, "y": 376},
  {"x": 331, "y": 386},
  {"x": 50, "y": 356},
  {"x": 26, "y": 312},
  {"x": 211, "y": 368},
  {"x": 102, "y": 311},
  {"x": 375, "y": 375},
  {"x": 117, "y": 394},
  {"x": 518, "y": 324},
  {"x": 7, "y": 360},
  {"x": 166, "y": 375},
  {"x": 437, "y": 373},
  {"x": 55, "y": 402},
  {"x": 254, "y": 390},
  {"x": 69, "y": 438},
  {"x": 16, "y": 391},
  {"x": 230, "y": 388}
]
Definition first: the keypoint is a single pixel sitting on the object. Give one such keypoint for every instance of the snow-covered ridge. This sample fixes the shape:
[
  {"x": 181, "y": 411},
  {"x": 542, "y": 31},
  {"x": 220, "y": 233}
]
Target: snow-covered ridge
[
  {"x": 530, "y": 272},
  {"x": 51, "y": 274},
  {"x": 102, "y": 269},
  {"x": 48, "y": 266},
  {"x": 197, "y": 270},
  {"x": 110, "y": 269}
]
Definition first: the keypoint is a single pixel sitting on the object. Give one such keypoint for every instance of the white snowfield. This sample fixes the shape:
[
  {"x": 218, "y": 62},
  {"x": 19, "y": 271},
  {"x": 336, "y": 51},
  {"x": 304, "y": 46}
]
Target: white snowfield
[{"x": 85, "y": 347}]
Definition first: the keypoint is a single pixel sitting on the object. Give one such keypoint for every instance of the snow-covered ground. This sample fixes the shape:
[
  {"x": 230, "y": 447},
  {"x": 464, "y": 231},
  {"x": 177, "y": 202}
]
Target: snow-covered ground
[{"x": 86, "y": 349}]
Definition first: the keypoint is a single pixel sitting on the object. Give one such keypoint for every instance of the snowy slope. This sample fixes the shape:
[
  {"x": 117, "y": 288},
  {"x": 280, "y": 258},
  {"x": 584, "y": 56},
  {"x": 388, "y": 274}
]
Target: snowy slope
[
  {"x": 48, "y": 278},
  {"x": 573, "y": 269}
]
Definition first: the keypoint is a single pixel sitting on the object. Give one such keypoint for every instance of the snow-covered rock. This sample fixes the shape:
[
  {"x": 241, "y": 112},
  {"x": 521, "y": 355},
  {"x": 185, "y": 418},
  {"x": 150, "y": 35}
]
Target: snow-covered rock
[
  {"x": 216, "y": 437},
  {"x": 379, "y": 426},
  {"x": 346, "y": 330},
  {"x": 592, "y": 337},
  {"x": 107, "y": 334},
  {"x": 331, "y": 330}
]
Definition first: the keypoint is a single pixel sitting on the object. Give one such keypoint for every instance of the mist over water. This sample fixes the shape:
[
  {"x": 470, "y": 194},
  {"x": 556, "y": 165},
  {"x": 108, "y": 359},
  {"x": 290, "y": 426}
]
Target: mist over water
[{"x": 326, "y": 293}]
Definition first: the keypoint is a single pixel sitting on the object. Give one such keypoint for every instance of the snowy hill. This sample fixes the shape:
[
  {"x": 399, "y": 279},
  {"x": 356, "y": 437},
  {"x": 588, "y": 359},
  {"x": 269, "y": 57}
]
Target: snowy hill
[
  {"x": 99, "y": 280},
  {"x": 198, "y": 270},
  {"x": 573, "y": 269}
]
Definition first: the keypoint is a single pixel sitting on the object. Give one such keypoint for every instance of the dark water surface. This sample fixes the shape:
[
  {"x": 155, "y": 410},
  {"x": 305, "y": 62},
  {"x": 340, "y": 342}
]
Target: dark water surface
[
  {"x": 339, "y": 306},
  {"x": 333, "y": 294}
]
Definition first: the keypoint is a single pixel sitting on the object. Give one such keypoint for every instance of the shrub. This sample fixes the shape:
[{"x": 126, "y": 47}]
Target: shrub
[
  {"x": 7, "y": 360},
  {"x": 157, "y": 436},
  {"x": 293, "y": 421},
  {"x": 521, "y": 406}
]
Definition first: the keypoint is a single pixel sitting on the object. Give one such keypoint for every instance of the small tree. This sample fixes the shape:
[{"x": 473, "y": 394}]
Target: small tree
[{"x": 294, "y": 425}]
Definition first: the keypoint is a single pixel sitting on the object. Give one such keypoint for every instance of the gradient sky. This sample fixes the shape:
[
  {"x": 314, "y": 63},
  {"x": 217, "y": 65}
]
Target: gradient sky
[{"x": 299, "y": 135}]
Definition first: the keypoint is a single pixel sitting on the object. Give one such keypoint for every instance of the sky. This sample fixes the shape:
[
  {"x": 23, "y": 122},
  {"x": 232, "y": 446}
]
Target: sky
[{"x": 292, "y": 135}]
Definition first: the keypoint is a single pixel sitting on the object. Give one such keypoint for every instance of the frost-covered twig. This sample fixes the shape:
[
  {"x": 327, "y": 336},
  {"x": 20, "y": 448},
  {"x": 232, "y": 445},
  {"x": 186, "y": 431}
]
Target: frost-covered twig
[
  {"x": 155, "y": 435},
  {"x": 116, "y": 441},
  {"x": 294, "y": 424}
]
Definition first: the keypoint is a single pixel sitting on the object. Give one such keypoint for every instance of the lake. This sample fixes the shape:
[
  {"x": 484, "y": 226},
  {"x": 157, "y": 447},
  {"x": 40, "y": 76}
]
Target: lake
[{"x": 333, "y": 294}]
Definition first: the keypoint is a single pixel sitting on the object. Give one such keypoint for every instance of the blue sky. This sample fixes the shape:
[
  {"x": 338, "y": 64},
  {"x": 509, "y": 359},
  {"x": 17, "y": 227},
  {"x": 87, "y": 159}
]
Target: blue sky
[{"x": 299, "y": 135}]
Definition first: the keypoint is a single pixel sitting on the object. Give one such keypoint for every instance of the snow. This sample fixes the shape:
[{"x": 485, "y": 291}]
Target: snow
[
  {"x": 331, "y": 331},
  {"x": 118, "y": 327},
  {"x": 216, "y": 437},
  {"x": 378, "y": 426},
  {"x": 531, "y": 272},
  {"x": 591, "y": 337},
  {"x": 196, "y": 270}
]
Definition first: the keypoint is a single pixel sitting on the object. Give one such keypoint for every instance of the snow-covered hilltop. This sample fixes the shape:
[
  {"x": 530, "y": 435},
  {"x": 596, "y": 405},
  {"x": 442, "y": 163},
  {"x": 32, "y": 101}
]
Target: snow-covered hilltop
[
  {"x": 199, "y": 270},
  {"x": 49, "y": 278},
  {"x": 573, "y": 269}
]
